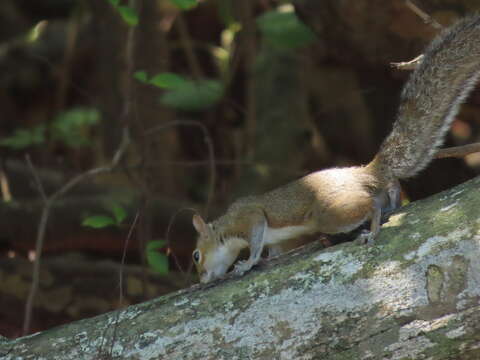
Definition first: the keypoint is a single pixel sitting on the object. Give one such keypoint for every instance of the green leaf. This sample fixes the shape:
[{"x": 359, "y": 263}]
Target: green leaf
[
  {"x": 157, "y": 261},
  {"x": 24, "y": 138},
  {"x": 119, "y": 213},
  {"x": 284, "y": 30},
  {"x": 185, "y": 4},
  {"x": 98, "y": 221},
  {"x": 194, "y": 95},
  {"x": 114, "y": 2},
  {"x": 129, "y": 15},
  {"x": 141, "y": 76},
  {"x": 155, "y": 245},
  {"x": 168, "y": 80},
  {"x": 71, "y": 127}
]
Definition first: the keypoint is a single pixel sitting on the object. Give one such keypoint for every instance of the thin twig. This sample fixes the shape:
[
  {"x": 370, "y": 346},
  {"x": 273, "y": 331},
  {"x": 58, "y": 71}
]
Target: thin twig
[
  {"x": 125, "y": 117},
  {"x": 458, "y": 151},
  {"x": 167, "y": 238},
  {"x": 144, "y": 234},
  {"x": 408, "y": 65},
  {"x": 423, "y": 15},
  {"x": 120, "y": 275},
  {"x": 201, "y": 163},
  {"x": 38, "y": 183},
  {"x": 42, "y": 226},
  {"x": 125, "y": 142},
  {"x": 129, "y": 66},
  {"x": 211, "y": 154},
  {"x": 413, "y": 64},
  {"x": 4, "y": 184},
  {"x": 49, "y": 201},
  {"x": 187, "y": 44}
]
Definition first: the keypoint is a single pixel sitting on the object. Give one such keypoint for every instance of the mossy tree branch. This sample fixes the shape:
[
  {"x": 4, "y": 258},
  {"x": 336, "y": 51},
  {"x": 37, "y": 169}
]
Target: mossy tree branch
[{"x": 414, "y": 294}]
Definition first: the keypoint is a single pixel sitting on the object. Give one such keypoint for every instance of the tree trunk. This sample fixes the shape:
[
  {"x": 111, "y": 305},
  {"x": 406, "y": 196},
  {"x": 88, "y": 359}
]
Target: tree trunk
[{"x": 413, "y": 295}]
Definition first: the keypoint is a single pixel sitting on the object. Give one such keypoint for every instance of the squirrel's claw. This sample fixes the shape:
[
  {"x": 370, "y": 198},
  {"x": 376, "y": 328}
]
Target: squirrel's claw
[
  {"x": 366, "y": 237},
  {"x": 242, "y": 267}
]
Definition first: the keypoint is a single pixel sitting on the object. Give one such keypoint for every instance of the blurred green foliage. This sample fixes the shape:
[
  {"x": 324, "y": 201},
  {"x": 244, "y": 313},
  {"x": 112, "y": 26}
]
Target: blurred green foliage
[
  {"x": 168, "y": 81},
  {"x": 279, "y": 28},
  {"x": 185, "y": 4},
  {"x": 24, "y": 138},
  {"x": 128, "y": 14},
  {"x": 183, "y": 93},
  {"x": 99, "y": 221},
  {"x": 194, "y": 95},
  {"x": 69, "y": 127},
  {"x": 283, "y": 30},
  {"x": 157, "y": 261}
]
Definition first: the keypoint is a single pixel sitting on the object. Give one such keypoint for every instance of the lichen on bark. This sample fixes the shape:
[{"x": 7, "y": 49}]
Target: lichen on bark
[{"x": 414, "y": 294}]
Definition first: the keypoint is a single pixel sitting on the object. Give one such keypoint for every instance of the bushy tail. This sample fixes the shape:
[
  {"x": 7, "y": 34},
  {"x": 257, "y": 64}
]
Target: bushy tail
[{"x": 431, "y": 98}]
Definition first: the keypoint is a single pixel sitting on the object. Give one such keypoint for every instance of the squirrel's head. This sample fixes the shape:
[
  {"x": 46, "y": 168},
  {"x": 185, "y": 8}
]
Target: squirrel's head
[{"x": 213, "y": 254}]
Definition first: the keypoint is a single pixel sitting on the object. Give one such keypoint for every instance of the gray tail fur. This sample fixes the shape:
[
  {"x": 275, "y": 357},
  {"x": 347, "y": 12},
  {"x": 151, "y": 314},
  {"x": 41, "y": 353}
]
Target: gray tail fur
[{"x": 431, "y": 99}]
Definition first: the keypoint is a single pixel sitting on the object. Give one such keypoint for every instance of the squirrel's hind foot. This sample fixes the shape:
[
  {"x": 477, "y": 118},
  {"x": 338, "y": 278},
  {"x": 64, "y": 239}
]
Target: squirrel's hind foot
[{"x": 366, "y": 237}]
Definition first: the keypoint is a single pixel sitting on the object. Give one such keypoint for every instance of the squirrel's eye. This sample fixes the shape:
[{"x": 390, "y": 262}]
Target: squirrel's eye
[{"x": 196, "y": 256}]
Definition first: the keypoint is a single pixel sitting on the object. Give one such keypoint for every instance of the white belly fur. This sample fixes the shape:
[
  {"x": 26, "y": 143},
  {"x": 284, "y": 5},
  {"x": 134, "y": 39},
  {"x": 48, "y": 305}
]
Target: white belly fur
[{"x": 276, "y": 235}]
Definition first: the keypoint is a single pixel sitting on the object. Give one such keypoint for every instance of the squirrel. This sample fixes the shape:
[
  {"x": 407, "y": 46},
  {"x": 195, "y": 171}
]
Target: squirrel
[{"x": 339, "y": 200}]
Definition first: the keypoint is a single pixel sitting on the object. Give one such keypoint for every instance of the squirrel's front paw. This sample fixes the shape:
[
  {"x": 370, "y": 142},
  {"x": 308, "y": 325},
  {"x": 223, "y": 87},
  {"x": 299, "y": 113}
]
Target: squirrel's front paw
[{"x": 242, "y": 267}]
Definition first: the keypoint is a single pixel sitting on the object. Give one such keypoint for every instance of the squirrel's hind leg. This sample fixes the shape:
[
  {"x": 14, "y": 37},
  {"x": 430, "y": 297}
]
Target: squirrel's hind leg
[
  {"x": 393, "y": 199},
  {"x": 368, "y": 237}
]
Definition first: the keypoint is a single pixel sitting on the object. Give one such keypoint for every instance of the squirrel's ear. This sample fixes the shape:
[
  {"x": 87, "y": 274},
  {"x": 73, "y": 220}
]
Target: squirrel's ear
[{"x": 199, "y": 224}]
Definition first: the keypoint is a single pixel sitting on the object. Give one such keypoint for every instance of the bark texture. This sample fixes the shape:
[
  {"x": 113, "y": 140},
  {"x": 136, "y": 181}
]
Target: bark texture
[{"x": 414, "y": 295}]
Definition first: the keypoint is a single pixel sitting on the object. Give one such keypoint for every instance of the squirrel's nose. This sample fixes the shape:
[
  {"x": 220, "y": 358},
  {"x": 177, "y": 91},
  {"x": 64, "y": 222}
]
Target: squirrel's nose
[{"x": 205, "y": 277}]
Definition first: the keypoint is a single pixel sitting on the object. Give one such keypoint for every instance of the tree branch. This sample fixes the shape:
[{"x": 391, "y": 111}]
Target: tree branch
[
  {"x": 414, "y": 294},
  {"x": 458, "y": 151},
  {"x": 423, "y": 15}
]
